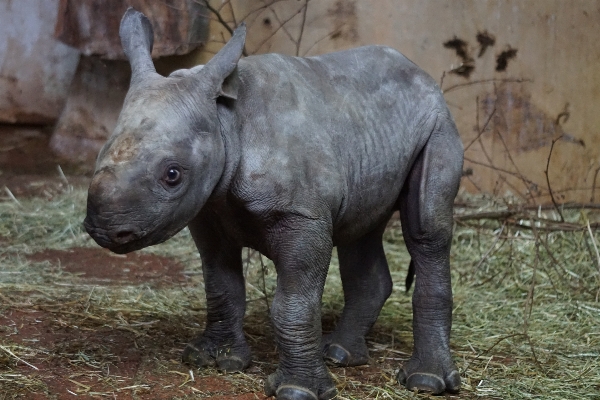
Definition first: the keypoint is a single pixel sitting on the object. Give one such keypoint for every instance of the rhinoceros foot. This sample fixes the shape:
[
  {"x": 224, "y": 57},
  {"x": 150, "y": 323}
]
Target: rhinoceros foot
[
  {"x": 344, "y": 353},
  {"x": 431, "y": 377},
  {"x": 283, "y": 386},
  {"x": 204, "y": 352}
]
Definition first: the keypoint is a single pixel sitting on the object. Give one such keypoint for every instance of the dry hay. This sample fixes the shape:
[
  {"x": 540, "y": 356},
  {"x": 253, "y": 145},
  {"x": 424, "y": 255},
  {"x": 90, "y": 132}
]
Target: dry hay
[{"x": 526, "y": 312}]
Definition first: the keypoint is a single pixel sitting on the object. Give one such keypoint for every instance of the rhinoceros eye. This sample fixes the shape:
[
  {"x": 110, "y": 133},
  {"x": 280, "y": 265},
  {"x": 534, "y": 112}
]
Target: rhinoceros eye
[{"x": 173, "y": 175}]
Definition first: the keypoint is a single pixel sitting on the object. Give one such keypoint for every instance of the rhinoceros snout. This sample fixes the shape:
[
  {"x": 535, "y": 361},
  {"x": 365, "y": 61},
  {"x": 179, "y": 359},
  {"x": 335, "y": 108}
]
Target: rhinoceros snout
[
  {"x": 115, "y": 238},
  {"x": 124, "y": 234}
]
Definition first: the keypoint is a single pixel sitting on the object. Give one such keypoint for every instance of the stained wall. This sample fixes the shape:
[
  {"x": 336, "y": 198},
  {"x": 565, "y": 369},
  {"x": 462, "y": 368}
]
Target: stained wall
[
  {"x": 35, "y": 68},
  {"x": 538, "y": 82}
]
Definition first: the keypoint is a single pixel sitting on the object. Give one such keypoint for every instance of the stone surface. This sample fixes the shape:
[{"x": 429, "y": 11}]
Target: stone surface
[
  {"x": 90, "y": 115},
  {"x": 35, "y": 68},
  {"x": 92, "y": 26}
]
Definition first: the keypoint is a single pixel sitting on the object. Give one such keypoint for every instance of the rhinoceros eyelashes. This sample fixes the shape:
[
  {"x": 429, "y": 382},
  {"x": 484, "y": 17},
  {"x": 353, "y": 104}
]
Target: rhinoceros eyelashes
[{"x": 173, "y": 175}]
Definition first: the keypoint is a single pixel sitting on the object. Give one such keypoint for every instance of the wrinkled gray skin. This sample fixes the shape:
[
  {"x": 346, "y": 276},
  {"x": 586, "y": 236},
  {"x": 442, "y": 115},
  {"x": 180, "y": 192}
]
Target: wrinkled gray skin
[{"x": 291, "y": 157}]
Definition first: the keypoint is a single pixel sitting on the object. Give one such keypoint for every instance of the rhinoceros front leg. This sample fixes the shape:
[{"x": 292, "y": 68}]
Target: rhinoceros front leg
[
  {"x": 301, "y": 251},
  {"x": 426, "y": 213},
  {"x": 367, "y": 284},
  {"x": 222, "y": 344}
]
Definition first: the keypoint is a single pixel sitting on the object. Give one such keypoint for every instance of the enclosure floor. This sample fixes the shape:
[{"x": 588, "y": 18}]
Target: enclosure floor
[{"x": 77, "y": 320}]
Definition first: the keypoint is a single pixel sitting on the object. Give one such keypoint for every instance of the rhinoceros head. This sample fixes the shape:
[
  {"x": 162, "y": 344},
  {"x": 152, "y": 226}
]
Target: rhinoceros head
[{"x": 166, "y": 154}]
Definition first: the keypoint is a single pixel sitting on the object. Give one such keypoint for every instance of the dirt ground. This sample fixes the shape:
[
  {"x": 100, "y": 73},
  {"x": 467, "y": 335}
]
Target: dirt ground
[
  {"x": 137, "y": 360},
  {"x": 79, "y": 321}
]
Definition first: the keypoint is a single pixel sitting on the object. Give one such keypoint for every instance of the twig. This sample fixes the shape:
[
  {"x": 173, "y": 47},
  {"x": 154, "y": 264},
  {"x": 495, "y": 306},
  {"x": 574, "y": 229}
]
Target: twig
[
  {"x": 589, "y": 228},
  {"x": 281, "y": 25},
  {"x": 283, "y": 28},
  {"x": 12, "y": 196},
  {"x": 482, "y": 130},
  {"x": 566, "y": 206},
  {"x": 594, "y": 184},
  {"x": 232, "y": 12},
  {"x": 330, "y": 34},
  {"x": 224, "y": 23},
  {"x": 18, "y": 358},
  {"x": 259, "y": 10},
  {"x": 530, "y": 292},
  {"x": 498, "y": 169},
  {"x": 500, "y": 340},
  {"x": 301, "y": 28},
  {"x": 486, "y": 215},
  {"x": 442, "y": 79},
  {"x": 555, "y": 261},
  {"x": 62, "y": 175},
  {"x": 492, "y": 247},
  {"x": 219, "y": 17},
  {"x": 562, "y": 218},
  {"x": 459, "y": 85},
  {"x": 529, "y": 300},
  {"x": 519, "y": 174}
]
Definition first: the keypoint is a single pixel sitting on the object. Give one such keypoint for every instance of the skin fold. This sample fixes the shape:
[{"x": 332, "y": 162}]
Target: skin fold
[{"x": 291, "y": 157}]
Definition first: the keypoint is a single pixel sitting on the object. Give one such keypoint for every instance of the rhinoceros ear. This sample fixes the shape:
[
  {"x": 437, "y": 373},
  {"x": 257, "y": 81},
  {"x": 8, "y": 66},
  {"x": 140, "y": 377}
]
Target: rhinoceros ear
[
  {"x": 137, "y": 39},
  {"x": 221, "y": 68}
]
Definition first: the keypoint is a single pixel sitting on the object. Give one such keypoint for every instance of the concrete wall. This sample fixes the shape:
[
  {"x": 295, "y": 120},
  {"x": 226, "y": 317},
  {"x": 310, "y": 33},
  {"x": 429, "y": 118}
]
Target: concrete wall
[
  {"x": 550, "y": 88},
  {"x": 35, "y": 68}
]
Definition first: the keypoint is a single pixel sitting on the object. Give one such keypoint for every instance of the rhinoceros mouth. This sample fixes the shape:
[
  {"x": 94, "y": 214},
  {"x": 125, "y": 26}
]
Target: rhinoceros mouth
[
  {"x": 119, "y": 239},
  {"x": 121, "y": 245}
]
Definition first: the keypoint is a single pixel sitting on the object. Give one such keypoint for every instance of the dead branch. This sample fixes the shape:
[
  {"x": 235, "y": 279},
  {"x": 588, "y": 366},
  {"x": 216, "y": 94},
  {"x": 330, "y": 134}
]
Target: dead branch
[
  {"x": 221, "y": 20},
  {"x": 498, "y": 169},
  {"x": 594, "y": 184},
  {"x": 330, "y": 34},
  {"x": 518, "y": 172},
  {"x": 283, "y": 28},
  {"x": 529, "y": 300},
  {"x": 482, "y": 81},
  {"x": 232, "y": 12},
  {"x": 281, "y": 25},
  {"x": 260, "y": 9},
  {"x": 482, "y": 130},
  {"x": 492, "y": 248},
  {"x": 301, "y": 28},
  {"x": 593, "y": 238},
  {"x": 530, "y": 293},
  {"x": 543, "y": 225},
  {"x": 562, "y": 218},
  {"x": 566, "y": 206},
  {"x": 217, "y": 13}
]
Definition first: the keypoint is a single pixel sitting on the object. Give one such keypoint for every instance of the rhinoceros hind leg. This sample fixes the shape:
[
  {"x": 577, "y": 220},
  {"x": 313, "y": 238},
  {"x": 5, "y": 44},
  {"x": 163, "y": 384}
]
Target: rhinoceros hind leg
[
  {"x": 367, "y": 284},
  {"x": 426, "y": 205}
]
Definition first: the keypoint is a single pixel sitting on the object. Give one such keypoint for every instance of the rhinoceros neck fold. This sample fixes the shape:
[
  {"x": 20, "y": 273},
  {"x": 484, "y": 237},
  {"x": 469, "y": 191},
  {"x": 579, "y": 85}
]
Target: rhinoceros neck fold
[{"x": 229, "y": 132}]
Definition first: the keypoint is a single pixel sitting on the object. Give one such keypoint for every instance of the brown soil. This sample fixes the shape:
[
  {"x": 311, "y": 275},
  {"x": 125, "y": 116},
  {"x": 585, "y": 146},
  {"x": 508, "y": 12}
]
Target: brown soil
[
  {"x": 101, "y": 362},
  {"x": 95, "y": 361},
  {"x": 29, "y": 168},
  {"x": 100, "y": 266}
]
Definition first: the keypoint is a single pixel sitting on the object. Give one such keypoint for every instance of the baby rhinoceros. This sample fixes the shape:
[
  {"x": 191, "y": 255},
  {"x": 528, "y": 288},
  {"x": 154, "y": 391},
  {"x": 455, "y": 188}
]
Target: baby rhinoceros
[{"x": 289, "y": 156}]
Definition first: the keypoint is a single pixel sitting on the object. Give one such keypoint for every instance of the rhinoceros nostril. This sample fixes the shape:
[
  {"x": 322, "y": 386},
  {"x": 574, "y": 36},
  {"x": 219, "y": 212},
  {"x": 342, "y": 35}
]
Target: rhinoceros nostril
[{"x": 123, "y": 236}]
